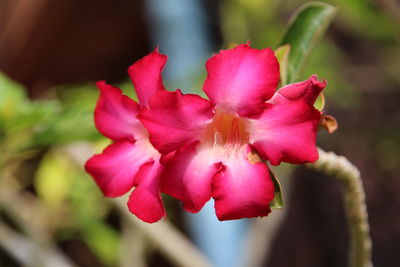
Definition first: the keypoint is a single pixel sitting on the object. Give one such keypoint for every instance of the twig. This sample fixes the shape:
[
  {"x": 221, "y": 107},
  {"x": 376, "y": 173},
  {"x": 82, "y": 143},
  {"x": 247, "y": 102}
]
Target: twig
[
  {"x": 133, "y": 246},
  {"x": 23, "y": 208},
  {"x": 29, "y": 253},
  {"x": 261, "y": 235},
  {"x": 37, "y": 248},
  {"x": 354, "y": 202},
  {"x": 167, "y": 239}
]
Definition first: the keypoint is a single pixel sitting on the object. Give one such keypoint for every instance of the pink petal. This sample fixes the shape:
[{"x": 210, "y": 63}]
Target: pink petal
[
  {"x": 242, "y": 79},
  {"x": 115, "y": 113},
  {"x": 145, "y": 201},
  {"x": 175, "y": 120},
  {"x": 243, "y": 189},
  {"x": 187, "y": 176},
  {"x": 286, "y": 132},
  {"x": 306, "y": 91},
  {"x": 146, "y": 76},
  {"x": 114, "y": 169}
]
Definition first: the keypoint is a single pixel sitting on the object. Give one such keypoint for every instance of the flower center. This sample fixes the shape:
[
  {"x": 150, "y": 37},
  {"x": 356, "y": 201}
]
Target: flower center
[{"x": 226, "y": 129}]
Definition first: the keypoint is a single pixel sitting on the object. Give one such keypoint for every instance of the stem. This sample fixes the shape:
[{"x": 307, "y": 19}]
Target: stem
[{"x": 354, "y": 201}]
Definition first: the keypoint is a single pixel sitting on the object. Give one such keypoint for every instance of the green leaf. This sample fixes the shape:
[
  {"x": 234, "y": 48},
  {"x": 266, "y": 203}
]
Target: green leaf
[
  {"x": 53, "y": 179},
  {"x": 12, "y": 100},
  {"x": 320, "y": 102},
  {"x": 282, "y": 54},
  {"x": 277, "y": 202},
  {"x": 231, "y": 45},
  {"x": 70, "y": 125},
  {"x": 73, "y": 121},
  {"x": 12, "y": 95},
  {"x": 103, "y": 240},
  {"x": 306, "y": 27}
]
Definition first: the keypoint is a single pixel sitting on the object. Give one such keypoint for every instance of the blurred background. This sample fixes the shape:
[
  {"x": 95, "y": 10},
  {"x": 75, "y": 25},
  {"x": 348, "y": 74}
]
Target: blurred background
[{"x": 52, "y": 52}]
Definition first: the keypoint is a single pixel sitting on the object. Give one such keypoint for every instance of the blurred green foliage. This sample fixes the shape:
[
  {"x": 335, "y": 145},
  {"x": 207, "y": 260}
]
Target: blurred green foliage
[
  {"x": 68, "y": 193},
  {"x": 65, "y": 190},
  {"x": 26, "y": 124}
]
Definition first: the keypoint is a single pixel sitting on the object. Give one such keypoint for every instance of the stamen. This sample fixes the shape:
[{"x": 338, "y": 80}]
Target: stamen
[
  {"x": 234, "y": 133},
  {"x": 226, "y": 129},
  {"x": 253, "y": 158},
  {"x": 218, "y": 139}
]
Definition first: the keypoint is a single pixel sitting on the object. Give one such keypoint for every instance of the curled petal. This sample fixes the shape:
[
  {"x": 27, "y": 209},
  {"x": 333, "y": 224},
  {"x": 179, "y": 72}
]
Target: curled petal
[
  {"x": 146, "y": 76},
  {"x": 306, "y": 92},
  {"x": 115, "y": 113},
  {"x": 286, "y": 132},
  {"x": 145, "y": 201},
  {"x": 243, "y": 189},
  {"x": 242, "y": 79},
  {"x": 174, "y": 120},
  {"x": 115, "y": 168},
  {"x": 187, "y": 176}
]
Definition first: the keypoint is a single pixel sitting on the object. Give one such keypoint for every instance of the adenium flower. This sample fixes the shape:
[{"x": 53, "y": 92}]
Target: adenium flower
[
  {"x": 196, "y": 149},
  {"x": 217, "y": 148},
  {"x": 130, "y": 161}
]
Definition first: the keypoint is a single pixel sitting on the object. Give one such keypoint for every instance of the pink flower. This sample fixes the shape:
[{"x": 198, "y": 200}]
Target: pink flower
[
  {"x": 217, "y": 147},
  {"x": 131, "y": 160},
  {"x": 194, "y": 149}
]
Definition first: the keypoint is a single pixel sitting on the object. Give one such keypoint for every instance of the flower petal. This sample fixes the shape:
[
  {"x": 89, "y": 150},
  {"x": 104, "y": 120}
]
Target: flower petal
[
  {"x": 187, "y": 176},
  {"x": 145, "y": 201},
  {"x": 175, "y": 120},
  {"x": 115, "y": 168},
  {"x": 242, "y": 79},
  {"x": 286, "y": 132},
  {"x": 243, "y": 189},
  {"x": 115, "y": 113},
  {"x": 306, "y": 91},
  {"x": 146, "y": 76}
]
